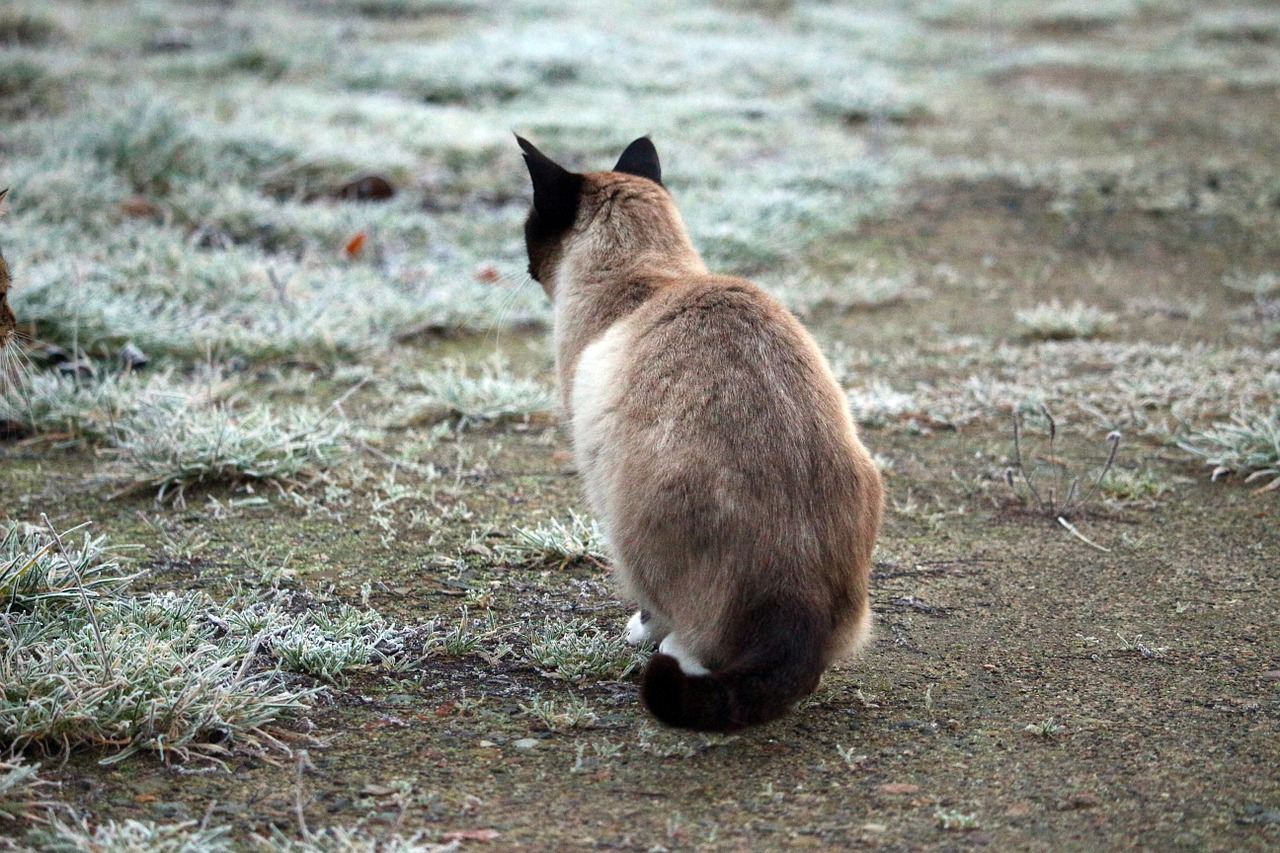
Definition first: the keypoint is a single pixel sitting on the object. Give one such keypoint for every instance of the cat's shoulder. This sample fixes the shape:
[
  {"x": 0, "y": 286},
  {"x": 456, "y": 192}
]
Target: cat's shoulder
[{"x": 713, "y": 299}]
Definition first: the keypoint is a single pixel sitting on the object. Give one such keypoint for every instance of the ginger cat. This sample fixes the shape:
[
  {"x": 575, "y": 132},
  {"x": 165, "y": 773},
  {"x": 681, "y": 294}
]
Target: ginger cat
[{"x": 715, "y": 447}]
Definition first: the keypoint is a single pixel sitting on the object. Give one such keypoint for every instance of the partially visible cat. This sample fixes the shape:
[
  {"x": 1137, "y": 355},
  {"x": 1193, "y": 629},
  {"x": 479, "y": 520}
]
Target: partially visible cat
[
  {"x": 8, "y": 322},
  {"x": 715, "y": 446}
]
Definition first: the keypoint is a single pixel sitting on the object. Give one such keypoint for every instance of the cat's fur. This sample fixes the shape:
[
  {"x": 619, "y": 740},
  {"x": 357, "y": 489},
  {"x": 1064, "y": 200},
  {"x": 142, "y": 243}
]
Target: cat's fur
[
  {"x": 715, "y": 447},
  {"x": 8, "y": 322}
]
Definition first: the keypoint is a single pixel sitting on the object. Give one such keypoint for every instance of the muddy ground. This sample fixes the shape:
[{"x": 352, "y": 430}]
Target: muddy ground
[{"x": 1026, "y": 689}]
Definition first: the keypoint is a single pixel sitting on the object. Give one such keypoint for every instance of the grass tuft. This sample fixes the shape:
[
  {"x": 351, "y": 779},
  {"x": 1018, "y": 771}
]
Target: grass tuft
[
  {"x": 37, "y": 572},
  {"x": 69, "y": 409},
  {"x": 572, "y": 713},
  {"x": 1060, "y": 496},
  {"x": 490, "y": 395},
  {"x": 1053, "y": 321},
  {"x": 173, "y": 450},
  {"x": 558, "y": 544},
  {"x": 98, "y": 667},
  {"x": 19, "y": 790},
  {"x": 1247, "y": 446},
  {"x": 578, "y": 650},
  {"x": 130, "y": 836}
]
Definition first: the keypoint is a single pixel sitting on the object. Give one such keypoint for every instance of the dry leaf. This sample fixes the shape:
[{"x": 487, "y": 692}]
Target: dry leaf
[{"x": 355, "y": 245}]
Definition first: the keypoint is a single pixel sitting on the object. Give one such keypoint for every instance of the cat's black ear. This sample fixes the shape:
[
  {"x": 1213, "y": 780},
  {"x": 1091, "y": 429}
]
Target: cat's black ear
[
  {"x": 555, "y": 189},
  {"x": 4, "y": 192},
  {"x": 641, "y": 159}
]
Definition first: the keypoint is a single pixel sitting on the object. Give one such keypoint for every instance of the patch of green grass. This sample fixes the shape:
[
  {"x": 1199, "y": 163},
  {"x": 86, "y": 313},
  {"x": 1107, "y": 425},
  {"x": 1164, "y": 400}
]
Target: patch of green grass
[
  {"x": 563, "y": 715},
  {"x": 578, "y": 651},
  {"x": 35, "y": 572}
]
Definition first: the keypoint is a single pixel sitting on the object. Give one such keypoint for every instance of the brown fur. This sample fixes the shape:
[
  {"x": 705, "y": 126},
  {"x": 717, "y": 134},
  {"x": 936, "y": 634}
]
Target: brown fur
[
  {"x": 8, "y": 322},
  {"x": 717, "y": 450}
]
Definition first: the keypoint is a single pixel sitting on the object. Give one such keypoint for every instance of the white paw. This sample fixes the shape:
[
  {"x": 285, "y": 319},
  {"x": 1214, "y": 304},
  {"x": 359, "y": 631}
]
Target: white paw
[
  {"x": 637, "y": 631},
  {"x": 688, "y": 663}
]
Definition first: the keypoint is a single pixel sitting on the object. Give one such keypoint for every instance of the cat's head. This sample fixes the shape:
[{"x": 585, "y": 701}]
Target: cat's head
[{"x": 566, "y": 203}]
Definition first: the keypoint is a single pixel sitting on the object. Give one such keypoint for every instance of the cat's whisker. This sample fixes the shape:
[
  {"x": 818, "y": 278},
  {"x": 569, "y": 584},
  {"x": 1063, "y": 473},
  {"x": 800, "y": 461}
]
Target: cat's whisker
[
  {"x": 16, "y": 373},
  {"x": 510, "y": 287}
]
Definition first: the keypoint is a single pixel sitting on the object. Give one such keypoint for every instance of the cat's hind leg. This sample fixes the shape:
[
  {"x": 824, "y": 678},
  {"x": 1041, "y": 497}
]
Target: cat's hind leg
[
  {"x": 689, "y": 664},
  {"x": 647, "y": 628}
]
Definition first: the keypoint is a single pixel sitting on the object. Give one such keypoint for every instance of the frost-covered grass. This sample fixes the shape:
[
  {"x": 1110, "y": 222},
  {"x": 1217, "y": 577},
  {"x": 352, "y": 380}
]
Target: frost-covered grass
[
  {"x": 183, "y": 180},
  {"x": 171, "y": 450},
  {"x": 94, "y": 665},
  {"x": 578, "y": 650},
  {"x": 558, "y": 543},
  {"x": 1053, "y": 321},
  {"x": 134, "y": 836},
  {"x": 36, "y": 572},
  {"x": 85, "y": 409},
  {"x": 491, "y": 392},
  {"x": 1248, "y": 445},
  {"x": 1156, "y": 389},
  {"x": 170, "y": 435},
  {"x": 20, "y": 790},
  {"x": 176, "y": 673}
]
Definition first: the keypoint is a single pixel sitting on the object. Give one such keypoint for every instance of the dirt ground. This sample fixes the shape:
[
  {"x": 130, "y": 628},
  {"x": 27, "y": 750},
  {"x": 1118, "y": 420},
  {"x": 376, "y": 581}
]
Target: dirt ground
[{"x": 1026, "y": 689}]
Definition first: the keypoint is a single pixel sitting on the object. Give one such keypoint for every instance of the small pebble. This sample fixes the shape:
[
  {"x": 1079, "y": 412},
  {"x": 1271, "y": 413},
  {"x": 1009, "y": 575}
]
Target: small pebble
[{"x": 526, "y": 744}]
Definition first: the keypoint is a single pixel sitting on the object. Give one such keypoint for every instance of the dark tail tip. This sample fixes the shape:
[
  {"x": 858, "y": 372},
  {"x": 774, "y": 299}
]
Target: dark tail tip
[
  {"x": 666, "y": 692},
  {"x": 720, "y": 702}
]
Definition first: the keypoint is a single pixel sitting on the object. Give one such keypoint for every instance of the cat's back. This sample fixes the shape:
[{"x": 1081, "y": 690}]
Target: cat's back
[
  {"x": 714, "y": 346},
  {"x": 719, "y": 393}
]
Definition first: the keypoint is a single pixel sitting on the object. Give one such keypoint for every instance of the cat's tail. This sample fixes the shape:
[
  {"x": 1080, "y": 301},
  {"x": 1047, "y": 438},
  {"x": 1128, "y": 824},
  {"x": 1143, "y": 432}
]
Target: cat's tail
[{"x": 782, "y": 659}]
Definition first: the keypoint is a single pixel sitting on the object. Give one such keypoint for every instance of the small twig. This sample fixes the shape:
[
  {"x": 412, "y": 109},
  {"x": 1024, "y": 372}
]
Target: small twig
[
  {"x": 1071, "y": 528},
  {"x": 338, "y": 402},
  {"x": 392, "y": 460},
  {"x": 84, "y": 596},
  {"x": 281, "y": 287},
  {"x": 1114, "y": 438},
  {"x": 248, "y": 658},
  {"x": 1017, "y": 460},
  {"x": 303, "y": 764}
]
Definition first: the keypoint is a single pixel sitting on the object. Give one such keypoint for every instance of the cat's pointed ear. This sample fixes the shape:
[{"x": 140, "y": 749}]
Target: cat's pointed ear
[
  {"x": 4, "y": 192},
  {"x": 555, "y": 188},
  {"x": 641, "y": 159}
]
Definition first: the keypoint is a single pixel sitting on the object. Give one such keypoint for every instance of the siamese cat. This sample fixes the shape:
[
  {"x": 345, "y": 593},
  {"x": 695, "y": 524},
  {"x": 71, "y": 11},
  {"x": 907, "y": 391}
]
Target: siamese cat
[
  {"x": 8, "y": 322},
  {"x": 715, "y": 447}
]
